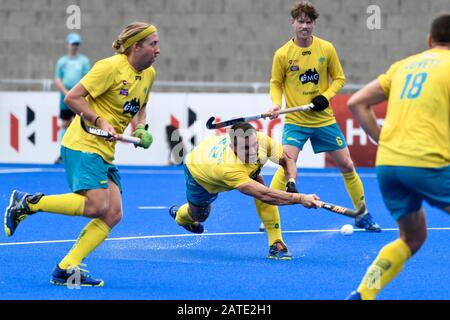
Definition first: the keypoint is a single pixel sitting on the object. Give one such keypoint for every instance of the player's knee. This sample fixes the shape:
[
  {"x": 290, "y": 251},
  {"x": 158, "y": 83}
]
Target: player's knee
[
  {"x": 200, "y": 214},
  {"x": 347, "y": 166},
  {"x": 114, "y": 217},
  {"x": 96, "y": 209}
]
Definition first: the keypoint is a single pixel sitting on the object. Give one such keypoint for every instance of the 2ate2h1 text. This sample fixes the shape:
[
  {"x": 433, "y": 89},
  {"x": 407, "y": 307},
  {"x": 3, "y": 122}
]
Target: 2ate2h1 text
[{"x": 232, "y": 309}]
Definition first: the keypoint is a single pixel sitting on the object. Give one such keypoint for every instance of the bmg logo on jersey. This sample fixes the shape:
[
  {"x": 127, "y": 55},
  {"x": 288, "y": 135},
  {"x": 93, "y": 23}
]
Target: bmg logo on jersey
[
  {"x": 309, "y": 76},
  {"x": 132, "y": 107}
]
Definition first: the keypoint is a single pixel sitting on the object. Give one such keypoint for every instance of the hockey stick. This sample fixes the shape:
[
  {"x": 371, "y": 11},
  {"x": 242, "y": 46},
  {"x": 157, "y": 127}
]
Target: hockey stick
[
  {"x": 211, "y": 125},
  {"x": 336, "y": 209},
  {"x": 106, "y": 135},
  {"x": 344, "y": 211}
]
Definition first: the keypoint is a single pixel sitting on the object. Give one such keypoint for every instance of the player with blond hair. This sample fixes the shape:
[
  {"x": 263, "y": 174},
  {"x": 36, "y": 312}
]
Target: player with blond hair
[
  {"x": 413, "y": 157},
  {"x": 113, "y": 92},
  {"x": 302, "y": 69}
]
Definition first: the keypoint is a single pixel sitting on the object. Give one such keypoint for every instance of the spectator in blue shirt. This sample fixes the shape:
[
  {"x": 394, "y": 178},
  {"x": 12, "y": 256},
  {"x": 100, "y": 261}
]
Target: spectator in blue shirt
[{"x": 68, "y": 72}]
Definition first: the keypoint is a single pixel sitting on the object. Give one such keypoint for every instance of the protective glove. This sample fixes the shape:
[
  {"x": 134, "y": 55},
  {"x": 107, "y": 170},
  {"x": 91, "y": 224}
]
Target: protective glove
[
  {"x": 145, "y": 136},
  {"x": 290, "y": 187},
  {"x": 320, "y": 103}
]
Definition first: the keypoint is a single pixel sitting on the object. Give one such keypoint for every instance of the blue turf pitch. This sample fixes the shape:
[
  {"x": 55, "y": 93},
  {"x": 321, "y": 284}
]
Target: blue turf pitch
[{"x": 147, "y": 256}]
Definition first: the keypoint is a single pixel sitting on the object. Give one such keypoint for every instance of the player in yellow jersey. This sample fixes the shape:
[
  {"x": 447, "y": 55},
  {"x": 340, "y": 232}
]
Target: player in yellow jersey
[
  {"x": 413, "y": 158},
  {"x": 302, "y": 69},
  {"x": 112, "y": 93},
  {"x": 223, "y": 163}
]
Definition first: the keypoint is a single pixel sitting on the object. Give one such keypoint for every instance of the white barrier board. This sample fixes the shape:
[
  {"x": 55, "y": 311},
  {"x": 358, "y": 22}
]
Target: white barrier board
[{"x": 29, "y": 125}]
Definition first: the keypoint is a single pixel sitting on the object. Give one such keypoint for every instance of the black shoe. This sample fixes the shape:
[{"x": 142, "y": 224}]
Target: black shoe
[
  {"x": 59, "y": 160},
  {"x": 262, "y": 227}
]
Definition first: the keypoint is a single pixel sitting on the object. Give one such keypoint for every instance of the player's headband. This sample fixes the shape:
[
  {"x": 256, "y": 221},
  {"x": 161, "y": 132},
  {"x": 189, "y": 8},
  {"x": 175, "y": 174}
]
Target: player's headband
[{"x": 141, "y": 35}]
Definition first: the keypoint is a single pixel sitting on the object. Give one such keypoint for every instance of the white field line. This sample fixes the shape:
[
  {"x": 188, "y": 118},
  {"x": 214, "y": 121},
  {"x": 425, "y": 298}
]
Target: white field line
[
  {"x": 187, "y": 235},
  {"x": 29, "y": 170}
]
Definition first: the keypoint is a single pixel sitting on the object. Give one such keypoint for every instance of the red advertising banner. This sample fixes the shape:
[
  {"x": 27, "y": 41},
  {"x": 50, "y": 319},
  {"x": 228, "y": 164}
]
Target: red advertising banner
[{"x": 362, "y": 148}]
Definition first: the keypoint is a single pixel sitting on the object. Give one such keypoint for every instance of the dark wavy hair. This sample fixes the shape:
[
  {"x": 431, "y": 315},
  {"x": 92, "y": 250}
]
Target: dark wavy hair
[{"x": 304, "y": 7}]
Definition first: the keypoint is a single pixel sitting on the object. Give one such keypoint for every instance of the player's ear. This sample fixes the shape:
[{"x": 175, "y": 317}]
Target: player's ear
[
  {"x": 430, "y": 41},
  {"x": 138, "y": 44}
]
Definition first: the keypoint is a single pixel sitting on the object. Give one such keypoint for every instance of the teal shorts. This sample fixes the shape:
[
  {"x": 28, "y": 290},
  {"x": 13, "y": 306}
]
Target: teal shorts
[
  {"x": 195, "y": 193},
  {"x": 323, "y": 139},
  {"x": 88, "y": 171},
  {"x": 404, "y": 188}
]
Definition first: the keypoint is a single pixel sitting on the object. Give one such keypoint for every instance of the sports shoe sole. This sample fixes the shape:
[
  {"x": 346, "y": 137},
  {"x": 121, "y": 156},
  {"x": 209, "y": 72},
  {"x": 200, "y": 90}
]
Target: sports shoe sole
[
  {"x": 276, "y": 258},
  {"x": 373, "y": 231},
  {"x": 65, "y": 284},
  {"x": 369, "y": 230},
  {"x": 5, "y": 224}
]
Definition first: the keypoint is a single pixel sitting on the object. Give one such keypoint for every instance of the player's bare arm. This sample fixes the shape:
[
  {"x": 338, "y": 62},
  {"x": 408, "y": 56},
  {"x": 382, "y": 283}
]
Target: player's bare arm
[
  {"x": 142, "y": 128},
  {"x": 141, "y": 116},
  {"x": 289, "y": 166},
  {"x": 280, "y": 198},
  {"x": 274, "y": 111},
  {"x": 361, "y": 106},
  {"x": 290, "y": 170},
  {"x": 75, "y": 99}
]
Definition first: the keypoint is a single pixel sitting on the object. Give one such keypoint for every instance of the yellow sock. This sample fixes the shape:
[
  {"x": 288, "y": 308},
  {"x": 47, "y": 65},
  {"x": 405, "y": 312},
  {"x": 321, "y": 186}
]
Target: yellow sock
[
  {"x": 354, "y": 188},
  {"x": 183, "y": 217},
  {"x": 71, "y": 204},
  {"x": 90, "y": 238},
  {"x": 279, "y": 180},
  {"x": 271, "y": 218},
  {"x": 384, "y": 268}
]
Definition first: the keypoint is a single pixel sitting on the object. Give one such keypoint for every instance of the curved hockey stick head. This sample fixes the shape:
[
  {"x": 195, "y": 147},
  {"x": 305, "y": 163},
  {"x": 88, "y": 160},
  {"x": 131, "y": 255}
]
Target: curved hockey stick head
[
  {"x": 227, "y": 123},
  {"x": 209, "y": 123}
]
